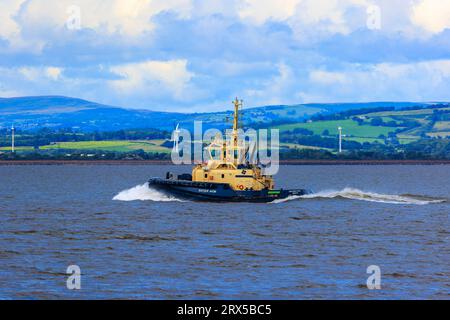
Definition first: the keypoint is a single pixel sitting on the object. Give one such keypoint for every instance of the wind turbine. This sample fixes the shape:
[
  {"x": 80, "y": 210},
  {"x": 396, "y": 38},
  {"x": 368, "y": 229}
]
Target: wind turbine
[
  {"x": 340, "y": 139},
  {"x": 12, "y": 139},
  {"x": 176, "y": 137}
]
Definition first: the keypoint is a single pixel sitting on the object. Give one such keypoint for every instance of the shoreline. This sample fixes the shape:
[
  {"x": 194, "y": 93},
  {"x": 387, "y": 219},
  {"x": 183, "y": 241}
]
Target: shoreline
[{"x": 165, "y": 162}]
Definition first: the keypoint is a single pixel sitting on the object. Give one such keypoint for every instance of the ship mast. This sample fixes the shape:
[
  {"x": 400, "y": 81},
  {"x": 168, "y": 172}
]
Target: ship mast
[{"x": 237, "y": 103}]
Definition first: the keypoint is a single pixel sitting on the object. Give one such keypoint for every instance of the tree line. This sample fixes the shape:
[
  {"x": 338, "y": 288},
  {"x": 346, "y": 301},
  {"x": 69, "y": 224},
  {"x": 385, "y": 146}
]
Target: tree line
[{"x": 47, "y": 136}]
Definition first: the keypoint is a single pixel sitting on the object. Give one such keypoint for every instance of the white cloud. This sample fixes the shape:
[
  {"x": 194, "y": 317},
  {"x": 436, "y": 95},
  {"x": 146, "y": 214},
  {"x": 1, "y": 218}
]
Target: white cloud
[
  {"x": 6, "y": 93},
  {"x": 31, "y": 80},
  {"x": 133, "y": 18},
  {"x": 30, "y": 73},
  {"x": 157, "y": 77},
  {"x": 277, "y": 90},
  {"x": 53, "y": 73},
  {"x": 30, "y": 24},
  {"x": 316, "y": 19},
  {"x": 432, "y": 15},
  {"x": 233, "y": 48},
  {"x": 37, "y": 74},
  {"x": 9, "y": 28},
  {"x": 125, "y": 17},
  {"x": 422, "y": 81},
  {"x": 327, "y": 77},
  {"x": 305, "y": 16},
  {"x": 259, "y": 11}
]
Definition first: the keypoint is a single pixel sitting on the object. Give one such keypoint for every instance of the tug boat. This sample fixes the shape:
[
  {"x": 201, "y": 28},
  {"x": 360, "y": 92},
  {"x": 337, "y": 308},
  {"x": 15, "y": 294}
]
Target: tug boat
[{"x": 226, "y": 178}]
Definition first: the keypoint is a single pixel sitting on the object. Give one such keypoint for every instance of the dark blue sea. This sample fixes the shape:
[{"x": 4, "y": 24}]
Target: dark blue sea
[{"x": 145, "y": 245}]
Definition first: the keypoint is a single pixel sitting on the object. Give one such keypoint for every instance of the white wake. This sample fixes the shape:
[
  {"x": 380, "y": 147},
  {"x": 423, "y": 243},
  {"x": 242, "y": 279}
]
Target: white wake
[
  {"x": 143, "y": 193},
  {"x": 356, "y": 194}
]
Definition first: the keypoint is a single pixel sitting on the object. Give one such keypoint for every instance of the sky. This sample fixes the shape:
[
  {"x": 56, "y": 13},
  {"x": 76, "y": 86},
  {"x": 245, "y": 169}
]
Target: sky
[{"x": 197, "y": 55}]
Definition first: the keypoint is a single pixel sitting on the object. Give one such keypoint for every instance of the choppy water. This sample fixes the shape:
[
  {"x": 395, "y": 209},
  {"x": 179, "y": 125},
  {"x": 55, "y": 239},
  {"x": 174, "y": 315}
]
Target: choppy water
[{"x": 145, "y": 245}]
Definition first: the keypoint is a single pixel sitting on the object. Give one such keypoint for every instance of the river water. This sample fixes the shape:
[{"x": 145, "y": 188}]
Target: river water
[{"x": 132, "y": 242}]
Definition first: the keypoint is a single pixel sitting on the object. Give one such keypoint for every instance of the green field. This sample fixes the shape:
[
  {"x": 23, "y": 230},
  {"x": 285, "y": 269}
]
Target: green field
[
  {"x": 413, "y": 125},
  {"x": 369, "y": 133},
  {"x": 113, "y": 145},
  {"x": 110, "y": 145},
  {"x": 442, "y": 126},
  {"x": 441, "y": 134},
  {"x": 350, "y": 128},
  {"x": 407, "y": 113},
  {"x": 299, "y": 146},
  {"x": 16, "y": 148}
]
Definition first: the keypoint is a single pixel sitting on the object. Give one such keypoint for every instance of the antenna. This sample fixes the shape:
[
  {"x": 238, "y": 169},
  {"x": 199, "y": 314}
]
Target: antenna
[
  {"x": 12, "y": 139},
  {"x": 340, "y": 139},
  {"x": 241, "y": 115},
  {"x": 176, "y": 137}
]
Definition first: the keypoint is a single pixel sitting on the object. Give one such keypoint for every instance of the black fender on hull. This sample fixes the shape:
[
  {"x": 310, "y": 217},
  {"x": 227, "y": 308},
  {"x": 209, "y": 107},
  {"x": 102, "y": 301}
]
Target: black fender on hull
[{"x": 218, "y": 192}]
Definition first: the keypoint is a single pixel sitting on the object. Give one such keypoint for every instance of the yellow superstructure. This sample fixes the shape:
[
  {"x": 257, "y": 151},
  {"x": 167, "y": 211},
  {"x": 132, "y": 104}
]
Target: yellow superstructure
[{"x": 228, "y": 164}]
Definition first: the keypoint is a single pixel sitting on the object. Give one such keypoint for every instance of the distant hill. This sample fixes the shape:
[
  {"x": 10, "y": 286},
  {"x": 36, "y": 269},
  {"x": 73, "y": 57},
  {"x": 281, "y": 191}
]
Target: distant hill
[
  {"x": 382, "y": 125},
  {"x": 45, "y": 105},
  {"x": 63, "y": 112},
  {"x": 55, "y": 112},
  {"x": 379, "y": 130},
  {"x": 30, "y": 113}
]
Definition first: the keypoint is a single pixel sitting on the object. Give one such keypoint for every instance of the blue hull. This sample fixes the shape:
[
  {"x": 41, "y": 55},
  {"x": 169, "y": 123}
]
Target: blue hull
[{"x": 218, "y": 192}]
